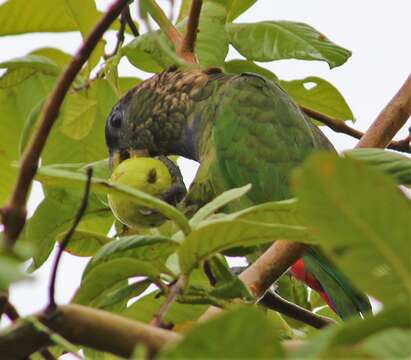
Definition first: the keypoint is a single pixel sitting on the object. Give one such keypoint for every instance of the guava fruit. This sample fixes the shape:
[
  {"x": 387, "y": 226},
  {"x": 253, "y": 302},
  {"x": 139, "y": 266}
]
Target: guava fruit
[{"x": 145, "y": 174}]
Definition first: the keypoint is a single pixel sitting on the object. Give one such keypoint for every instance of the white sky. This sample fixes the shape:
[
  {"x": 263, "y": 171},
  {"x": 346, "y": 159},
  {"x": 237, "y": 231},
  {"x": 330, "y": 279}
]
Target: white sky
[{"x": 377, "y": 32}]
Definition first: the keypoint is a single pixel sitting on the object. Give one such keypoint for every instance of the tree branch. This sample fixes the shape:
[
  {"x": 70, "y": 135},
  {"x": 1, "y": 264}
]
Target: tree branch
[
  {"x": 130, "y": 22},
  {"x": 277, "y": 303},
  {"x": 390, "y": 120},
  {"x": 14, "y": 213},
  {"x": 175, "y": 290},
  {"x": 341, "y": 127},
  {"x": 187, "y": 48},
  {"x": 84, "y": 326},
  {"x": 266, "y": 270},
  {"x": 63, "y": 244}
]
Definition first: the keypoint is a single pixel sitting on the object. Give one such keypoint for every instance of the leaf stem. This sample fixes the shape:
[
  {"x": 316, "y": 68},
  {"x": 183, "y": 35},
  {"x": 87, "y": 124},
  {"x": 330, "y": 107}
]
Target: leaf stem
[{"x": 187, "y": 49}]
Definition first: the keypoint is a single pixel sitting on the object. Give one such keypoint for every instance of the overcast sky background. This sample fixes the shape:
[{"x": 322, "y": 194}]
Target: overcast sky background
[{"x": 376, "y": 31}]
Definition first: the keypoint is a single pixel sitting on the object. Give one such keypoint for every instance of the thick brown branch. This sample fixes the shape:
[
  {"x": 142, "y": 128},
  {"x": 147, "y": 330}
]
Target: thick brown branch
[
  {"x": 187, "y": 49},
  {"x": 14, "y": 213},
  {"x": 277, "y": 303},
  {"x": 266, "y": 269},
  {"x": 390, "y": 120},
  {"x": 341, "y": 127},
  {"x": 84, "y": 326}
]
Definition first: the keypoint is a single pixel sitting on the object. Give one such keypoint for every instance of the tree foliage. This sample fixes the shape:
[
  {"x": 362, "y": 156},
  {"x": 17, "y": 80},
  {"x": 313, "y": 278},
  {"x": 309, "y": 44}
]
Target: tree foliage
[{"x": 350, "y": 205}]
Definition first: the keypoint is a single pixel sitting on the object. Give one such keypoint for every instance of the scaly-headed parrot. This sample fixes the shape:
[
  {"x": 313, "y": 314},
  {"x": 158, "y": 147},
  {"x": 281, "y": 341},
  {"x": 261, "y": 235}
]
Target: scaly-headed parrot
[{"x": 241, "y": 129}]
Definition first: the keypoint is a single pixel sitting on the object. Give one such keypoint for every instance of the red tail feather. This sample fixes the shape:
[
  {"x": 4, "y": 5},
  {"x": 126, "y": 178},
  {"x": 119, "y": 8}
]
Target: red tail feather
[{"x": 299, "y": 272}]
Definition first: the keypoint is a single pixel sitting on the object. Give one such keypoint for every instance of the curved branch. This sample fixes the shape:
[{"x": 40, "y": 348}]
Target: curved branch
[
  {"x": 14, "y": 213},
  {"x": 341, "y": 127},
  {"x": 187, "y": 49},
  {"x": 277, "y": 303}
]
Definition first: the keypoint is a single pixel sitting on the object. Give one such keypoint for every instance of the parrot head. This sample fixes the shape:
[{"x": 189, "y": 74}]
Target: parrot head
[{"x": 153, "y": 118}]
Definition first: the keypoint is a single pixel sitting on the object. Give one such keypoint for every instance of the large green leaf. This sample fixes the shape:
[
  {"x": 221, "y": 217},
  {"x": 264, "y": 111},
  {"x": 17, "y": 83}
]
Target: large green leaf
[
  {"x": 398, "y": 166},
  {"x": 242, "y": 66},
  {"x": 151, "y": 249},
  {"x": 60, "y": 178},
  {"x": 9, "y": 270},
  {"x": 218, "y": 235},
  {"x": 243, "y": 333},
  {"x": 219, "y": 202},
  {"x": 390, "y": 344},
  {"x": 84, "y": 243},
  {"x": 328, "y": 342},
  {"x": 61, "y": 148},
  {"x": 145, "y": 52},
  {"x": 237, "y": 7},
  {"x": 15, "y": 104},
  {"x": 319, "y": 95},
  {"x": 77, "y": 116},
  {"x": 46, "y": 223},
  {"x": 362, "y": 220},
  {"x": 276, "y": 40},
  {"x": 145, "y": 308},
  {"x": 108, "y": 274}
]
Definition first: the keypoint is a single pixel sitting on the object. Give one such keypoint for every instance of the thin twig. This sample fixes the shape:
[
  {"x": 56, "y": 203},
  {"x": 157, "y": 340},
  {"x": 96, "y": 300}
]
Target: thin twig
[
  {"x": 130, "y": 22},
  {"x": 175, "y": 290},
  {"x": 340, "y": 126},
  {"x": 390, "y": 120},
  {"x": 14, "y": 213},
  {"x": 275, "y": 302},
  {"x": 120, "y": 34},
  {"x": 63, "y": 244},
  {"x": 187, "y": 49}
]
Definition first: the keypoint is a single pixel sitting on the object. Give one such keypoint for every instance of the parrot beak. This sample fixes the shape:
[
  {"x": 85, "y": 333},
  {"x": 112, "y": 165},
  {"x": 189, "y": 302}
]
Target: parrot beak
[{"x": 117, "y": 156}]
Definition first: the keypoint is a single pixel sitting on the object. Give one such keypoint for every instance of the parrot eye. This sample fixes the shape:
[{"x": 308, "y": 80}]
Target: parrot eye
[{"x": 115, "y": 121}]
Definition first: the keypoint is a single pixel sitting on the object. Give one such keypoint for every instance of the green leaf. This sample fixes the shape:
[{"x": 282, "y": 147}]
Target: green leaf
[
  {"x": 276, "y": 40},
  {"x": 21, "y": 16},
  {"x": 63, "y": 149},
  {"x": 390, "y": 344},
  {"x": 107, "y": 274},
  {"x": 246, "y": 334},
  {"x": 146, "y": 307},
  {"x": 77, "y": 116},
  {"x": 212, "y": 40},
  {"x": 35, "y": 62},
  {"x": 326, "y": 343},
  {"x": 84, "y": 243},
  {"x": 151, "y": 249},
  {"x": 56, "y": 55},
  {"x": 60, "y": 178},
  {"x": 319, "y": 95},
  {"x": 145, "y": 53},
  {"x": 219, "y": 202},
  {"x": 362, "y": 220},
  {"x": 218, "y": 235},
  {"x": 30, "y": 125},
  {"x": 116, "y": 298},
  {"x": 47, "y": 223},
  {"x": 247, "y": 66},
  {"x": 396, "y": 165},
  {"x": 15, "y": 104},
  {"x": 9, "y": 270},
  {"x": 237, "y": 7}
]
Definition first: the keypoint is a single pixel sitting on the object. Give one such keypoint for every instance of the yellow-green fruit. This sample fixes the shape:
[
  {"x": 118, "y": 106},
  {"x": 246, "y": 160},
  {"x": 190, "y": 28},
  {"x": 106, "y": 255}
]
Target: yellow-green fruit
[{"x": 144, "y": 174}]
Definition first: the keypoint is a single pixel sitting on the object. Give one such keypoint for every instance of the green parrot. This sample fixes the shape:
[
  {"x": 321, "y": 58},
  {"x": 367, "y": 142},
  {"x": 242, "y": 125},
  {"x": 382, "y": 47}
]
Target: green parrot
[{"x": 241, "y": 129}]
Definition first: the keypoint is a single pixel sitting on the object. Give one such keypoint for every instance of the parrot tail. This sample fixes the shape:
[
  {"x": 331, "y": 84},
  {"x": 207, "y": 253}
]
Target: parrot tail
[{"x": 320, "y": 275}]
